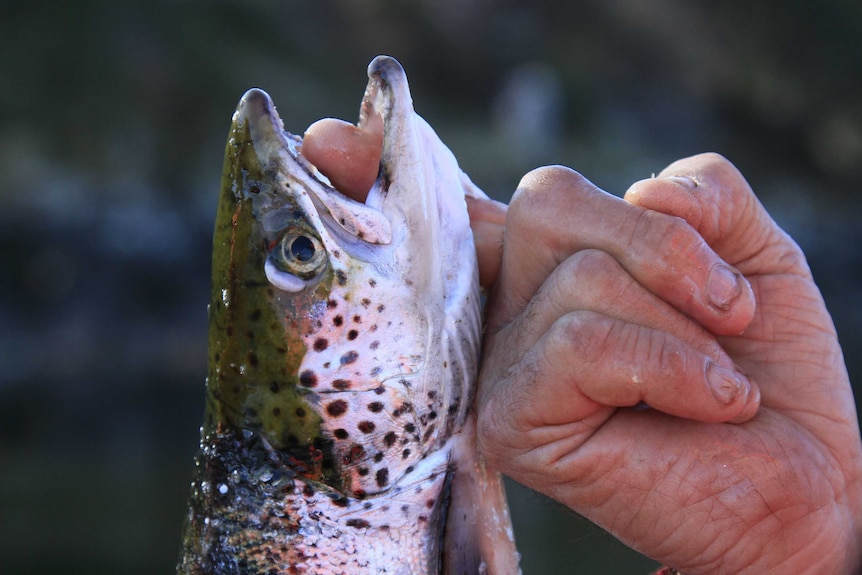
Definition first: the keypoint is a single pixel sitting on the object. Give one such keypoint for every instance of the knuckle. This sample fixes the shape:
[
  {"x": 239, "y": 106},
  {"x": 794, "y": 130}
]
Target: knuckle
[
  {"x": 587, "y": 276},
  {"x": 581, "y": 335},
  {"x": 586, "y": 265},
  {"x": 544, "y": 197},
  {"x": 549, "y": 178}
]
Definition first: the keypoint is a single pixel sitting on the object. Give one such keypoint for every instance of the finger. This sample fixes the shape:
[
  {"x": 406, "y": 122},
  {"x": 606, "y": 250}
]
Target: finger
[
  {"x": 709, "y": 193},
  {"x": 588, "y": 362},
  {"x": 488, "y": 219},
  {"x": 593, "y": 280},
  {"x": 556, "y": 212},
  {"x": 348, "y": 155}
]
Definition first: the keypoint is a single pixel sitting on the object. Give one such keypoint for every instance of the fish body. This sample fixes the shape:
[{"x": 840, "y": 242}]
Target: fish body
[{"x": 338, "y": 434}]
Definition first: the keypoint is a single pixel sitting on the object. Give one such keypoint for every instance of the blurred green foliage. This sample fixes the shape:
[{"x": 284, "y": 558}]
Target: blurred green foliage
[{"x": 114, "y": 116}]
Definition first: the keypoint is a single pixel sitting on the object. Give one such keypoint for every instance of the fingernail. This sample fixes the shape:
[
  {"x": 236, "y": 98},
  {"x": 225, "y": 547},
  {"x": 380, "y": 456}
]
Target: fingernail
[
  {"x": 725, "y": 384},
  {"x": 684, "y": 181},
  {"x": 722, "y": 286}
]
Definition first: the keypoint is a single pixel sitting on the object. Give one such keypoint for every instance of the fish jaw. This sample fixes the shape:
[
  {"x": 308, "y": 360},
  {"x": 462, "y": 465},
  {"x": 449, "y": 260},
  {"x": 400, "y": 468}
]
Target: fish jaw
[{"x": 344, "y": 340}]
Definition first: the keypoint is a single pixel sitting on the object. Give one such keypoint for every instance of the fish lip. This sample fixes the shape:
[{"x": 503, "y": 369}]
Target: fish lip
[
  {"x": 388, "y": 94},
  {"x": 278, "y": 151}
]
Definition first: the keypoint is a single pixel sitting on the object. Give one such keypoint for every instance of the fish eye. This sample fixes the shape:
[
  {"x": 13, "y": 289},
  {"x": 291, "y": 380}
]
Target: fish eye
[{"x": 299, "y": 254}]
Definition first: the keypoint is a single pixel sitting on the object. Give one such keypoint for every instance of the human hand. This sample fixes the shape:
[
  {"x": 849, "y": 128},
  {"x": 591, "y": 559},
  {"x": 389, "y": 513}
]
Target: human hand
[{"x": 600, "y": 304}]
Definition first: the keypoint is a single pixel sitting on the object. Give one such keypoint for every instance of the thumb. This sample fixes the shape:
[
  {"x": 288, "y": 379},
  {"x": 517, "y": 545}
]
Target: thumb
[{"x": 709, "y": 193}]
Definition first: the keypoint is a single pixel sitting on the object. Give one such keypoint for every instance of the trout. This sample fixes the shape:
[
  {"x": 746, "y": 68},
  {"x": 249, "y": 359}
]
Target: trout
[{"x": 339, "y": 431}]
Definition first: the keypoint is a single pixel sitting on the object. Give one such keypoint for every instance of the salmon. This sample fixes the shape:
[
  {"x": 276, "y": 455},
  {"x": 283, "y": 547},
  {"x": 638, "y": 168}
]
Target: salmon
[{"x": 339, "y": 425}]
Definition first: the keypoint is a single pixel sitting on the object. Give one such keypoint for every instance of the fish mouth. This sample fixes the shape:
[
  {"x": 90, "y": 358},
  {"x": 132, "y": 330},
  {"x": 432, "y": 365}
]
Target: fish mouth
[{"x": 386, "y": 96}]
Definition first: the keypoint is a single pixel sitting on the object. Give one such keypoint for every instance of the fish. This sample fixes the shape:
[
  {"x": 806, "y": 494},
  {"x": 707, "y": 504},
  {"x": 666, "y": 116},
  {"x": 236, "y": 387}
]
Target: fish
[{"x": 339, "y": 432}]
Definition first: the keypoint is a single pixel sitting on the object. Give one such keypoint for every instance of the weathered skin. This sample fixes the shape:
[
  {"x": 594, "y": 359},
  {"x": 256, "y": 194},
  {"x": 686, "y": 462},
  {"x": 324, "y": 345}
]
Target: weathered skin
[{"x": 339, "y": 434}]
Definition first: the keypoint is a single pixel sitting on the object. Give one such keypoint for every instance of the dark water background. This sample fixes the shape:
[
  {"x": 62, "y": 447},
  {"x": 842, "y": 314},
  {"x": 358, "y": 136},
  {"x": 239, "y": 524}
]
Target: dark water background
[{"x": 113, "y": 118}]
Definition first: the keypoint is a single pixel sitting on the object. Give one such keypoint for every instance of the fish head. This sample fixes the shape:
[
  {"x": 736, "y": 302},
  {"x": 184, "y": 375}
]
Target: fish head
[{"x": 344, "y": 334}]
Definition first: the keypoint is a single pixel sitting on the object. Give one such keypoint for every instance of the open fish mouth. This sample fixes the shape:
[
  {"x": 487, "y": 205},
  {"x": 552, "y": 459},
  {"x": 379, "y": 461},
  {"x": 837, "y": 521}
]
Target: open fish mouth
[{"x": 386, "y": 99}]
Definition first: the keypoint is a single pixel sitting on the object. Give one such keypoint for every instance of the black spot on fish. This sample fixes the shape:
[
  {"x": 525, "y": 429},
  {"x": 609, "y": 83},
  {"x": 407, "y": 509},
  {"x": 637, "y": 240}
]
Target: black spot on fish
[
  {"x": 405, "y": 454},
  {"x": 320, "y": 344},
  {"x": 308, "y": 378},
  {"x": 360, "y": 494},
  {"x": 337, "y": 408},
  {"x": 365, "y": 302},
  {"x": 252, "y": 359},
  {"x": 409, "y": 428},
  {"x": 273, "y": 387},
  {"x": 349, "y": 357},
  {"x": 375, "y": 407},
  {"x": 376, "y": 371},
  {"x": 374, "y": 344},
  {"x": 380, "y": 390},
  {"x": 366, "y": 426},
  {"x": 218, "y": 357},
  {"x": 358, "y": 523},
  {"x": 351, "y": 335},
  {"x": 341, "y": 277},
  {"x": 378, "y": 457},
  {"x": 276, "y": 411},
  {"x": 356, "y": 451},
  {"x": 308, "y": 490},
  {"x": 382, "y": 477},
  {"x": 432, "y": 415},
  {"x": 357, "y": 319},
  {"x": 254, "y": 190},
  {"x": 372, "y": 282},
  {"x": 430, "y": 504},
  {"x": 331, "y": 303},
  {"x": 336, "y": 254},
  {"x": 390, "y": 438},
  {"x": 300, "y": 412},
  {"x": 341, "y": 384},
  {"x": 340, "y": 501},
  {"x": 338, "y": 320},
  {"x": 255, "y": 315},
  {"x": 381, "y": 307},
  {"x": 363, "y": 471},
  {"x": 341, "y": 433}
]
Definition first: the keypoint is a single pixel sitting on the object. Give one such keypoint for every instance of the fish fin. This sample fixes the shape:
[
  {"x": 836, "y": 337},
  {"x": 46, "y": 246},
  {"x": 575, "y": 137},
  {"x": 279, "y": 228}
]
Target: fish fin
[
  {"x": 479, "y": 539},
  {"x": 471, "y": 190}
]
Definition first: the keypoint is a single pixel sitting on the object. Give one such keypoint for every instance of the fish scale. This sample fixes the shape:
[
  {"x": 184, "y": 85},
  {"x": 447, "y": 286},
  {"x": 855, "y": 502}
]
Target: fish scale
[{"x": 338, "y": 433}]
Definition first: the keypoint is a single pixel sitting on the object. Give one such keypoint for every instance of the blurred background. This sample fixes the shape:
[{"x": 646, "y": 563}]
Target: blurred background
[{"x": 113, "y": 119}]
